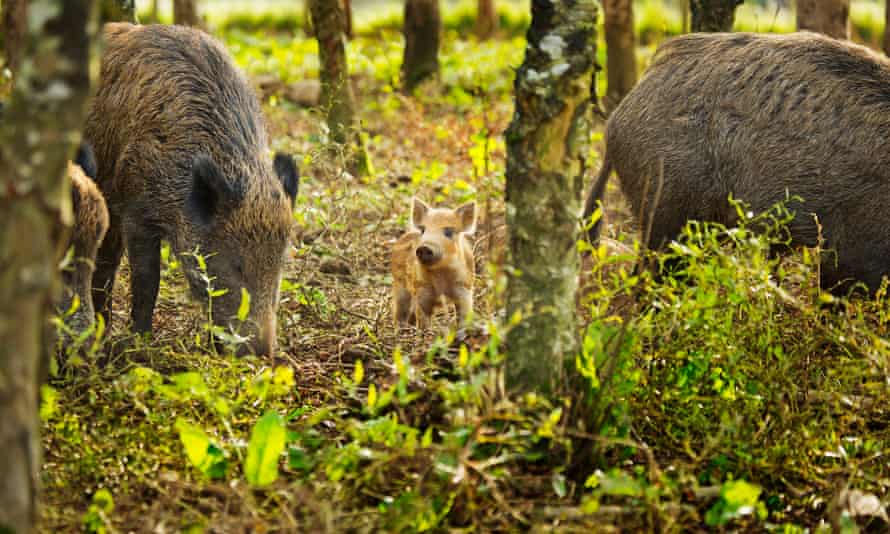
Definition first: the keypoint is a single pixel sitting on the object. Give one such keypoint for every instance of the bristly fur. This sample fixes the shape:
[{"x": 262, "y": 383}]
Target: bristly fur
[
  {"x": 90, "y": 226},
  {"x": 182, "y": 154},
  {"x": 761, "y": 118}
]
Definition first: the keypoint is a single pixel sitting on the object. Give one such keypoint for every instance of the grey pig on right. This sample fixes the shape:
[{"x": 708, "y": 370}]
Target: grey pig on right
[{"x": 761, "y": 118}]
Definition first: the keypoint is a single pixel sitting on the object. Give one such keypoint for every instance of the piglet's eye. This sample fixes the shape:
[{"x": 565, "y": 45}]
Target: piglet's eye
[
  {"x": 449, "y": 232},
  {"x": 422, "y": 229}
]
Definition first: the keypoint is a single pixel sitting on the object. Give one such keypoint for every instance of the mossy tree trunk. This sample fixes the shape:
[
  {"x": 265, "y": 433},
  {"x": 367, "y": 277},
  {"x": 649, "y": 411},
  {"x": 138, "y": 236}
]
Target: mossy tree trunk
[
  {"x": 621, "y": 50},
  {"x": 422, "y": 28},
  {"x": 185, "y": 13},
  {"x": 486, "y": 19},
  {"x": 119, "y": 11},
  {"x": 329, "y": 24},
  {"x": 37, "y": 136},
  {"x": 546, "y": 143},
  {"x": 831, "y": 17},
  {"x": 713, "y": 15},
  {"x": 15, "y": 27}
]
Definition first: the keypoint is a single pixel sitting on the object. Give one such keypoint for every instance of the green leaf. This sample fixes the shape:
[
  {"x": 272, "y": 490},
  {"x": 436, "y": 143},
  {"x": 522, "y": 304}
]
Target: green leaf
[
  {"x": 195, "y": 442},
  {"x": 266, "y": 445},
  {"x": 244, "y": 307}
]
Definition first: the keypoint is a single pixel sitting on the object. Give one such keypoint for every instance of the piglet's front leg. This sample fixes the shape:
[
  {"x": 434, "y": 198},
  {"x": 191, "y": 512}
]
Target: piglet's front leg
[{"x": 463, "y": 304}]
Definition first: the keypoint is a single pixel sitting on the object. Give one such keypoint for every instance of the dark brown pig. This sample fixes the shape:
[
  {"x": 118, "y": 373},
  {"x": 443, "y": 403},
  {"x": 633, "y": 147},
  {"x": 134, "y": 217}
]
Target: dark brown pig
[
  {"x": 183, "y": 156},
  {"x": 761, "y": 118}
]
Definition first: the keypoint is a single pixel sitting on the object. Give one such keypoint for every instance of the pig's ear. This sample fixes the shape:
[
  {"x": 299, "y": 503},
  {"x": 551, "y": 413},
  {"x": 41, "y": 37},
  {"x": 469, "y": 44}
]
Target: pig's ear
[
  {"x": 86, "y": 159},
  {"x": 211, "y": 193},
  {"x": 467, "y": 214},
  {"x": 418, "y": 211},
  {"x": 288, "y": 173}
]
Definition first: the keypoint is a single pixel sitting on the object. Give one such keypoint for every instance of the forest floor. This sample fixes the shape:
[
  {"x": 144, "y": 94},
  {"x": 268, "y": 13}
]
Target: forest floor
[{"x": 732, "y": 402}]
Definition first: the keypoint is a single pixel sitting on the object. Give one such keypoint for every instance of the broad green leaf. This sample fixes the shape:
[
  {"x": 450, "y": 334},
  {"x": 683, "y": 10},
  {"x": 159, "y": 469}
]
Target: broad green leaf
[
  {"x": 201, "y": 452},
  {"x": 265, "y": 447}
]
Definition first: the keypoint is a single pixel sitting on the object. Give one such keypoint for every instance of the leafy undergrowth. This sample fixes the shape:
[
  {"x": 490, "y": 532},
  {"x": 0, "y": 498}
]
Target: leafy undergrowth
[{"x": 729, "y": 393}]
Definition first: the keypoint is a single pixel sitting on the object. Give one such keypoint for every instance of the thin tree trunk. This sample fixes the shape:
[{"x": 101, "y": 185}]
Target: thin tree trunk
[
  {"x": 37, "y": 136},
  {"x": 347, "y": 12},
  {"x": 887, "y": 27},
  {"x": 546, "y": 141},
  {"x": 713, "y": 15},
  {"x": 337, "y": 100},
  {"x": 15, "y": 18},
  {"x": 422, "y": 28},
  {"x": 621, "y": 59},
  {"x": 486, "y": 19},
  {"x": 831, "y": 17},
  {"x": 119, "y": 11},
  {"x": 185, "y": 13}
]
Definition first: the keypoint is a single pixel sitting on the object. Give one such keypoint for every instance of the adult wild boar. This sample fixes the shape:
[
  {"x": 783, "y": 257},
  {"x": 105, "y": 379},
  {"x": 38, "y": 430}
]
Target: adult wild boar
[
  {"x": 181, "y": 146},
  {"x": 761, "y": 118}
]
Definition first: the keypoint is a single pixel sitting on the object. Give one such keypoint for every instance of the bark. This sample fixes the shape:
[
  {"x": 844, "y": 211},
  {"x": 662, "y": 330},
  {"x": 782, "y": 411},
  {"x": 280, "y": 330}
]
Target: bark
[
  {"x": 37, "y": 136},
  {"x": 185, "y": 13},
  {"x": 713, "y": 15},
  {"x": 347, "y": 12},
  {"x": 336, "y": 92},
  {"x": 422, "y": 28},
  {"x": 15, "y": 14},
  {"x": 486, "y": 19},
  {"x": 621, "y": 59},
  {"x": 546, "y": 141},
  {"x": 119, "y": 11},
  {"x": 831, "y": 17},
  {"x": 887, "y": 27}
]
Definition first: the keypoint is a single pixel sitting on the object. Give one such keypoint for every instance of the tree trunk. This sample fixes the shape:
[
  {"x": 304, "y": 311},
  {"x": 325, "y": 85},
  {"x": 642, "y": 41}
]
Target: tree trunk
[
  {"x": 713, "y": 15},
  {"x": 347, "y": 12},
  {"x": 37, "y": 136},
  {"x": 621, "y": 60},
  {"x": 486, "y": 19},
  {"x": 15, "y": 24},
  {"x": 887, "y": 27},
  {"x": 831, "y": 17},
  {"x": 546, "y": 141},
  {"x": 119, "y": 11},
  {"x": 185, "y": 13},
  {"x": 422, "y": 28},
  {"x": 328, "y": 20},
  {"x": 154, "y": 12}
]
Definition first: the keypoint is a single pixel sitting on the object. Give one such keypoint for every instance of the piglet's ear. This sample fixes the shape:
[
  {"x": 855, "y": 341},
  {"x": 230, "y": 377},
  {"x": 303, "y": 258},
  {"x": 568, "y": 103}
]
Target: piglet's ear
[
  {"x": 288, "y": 173},
  {"x": 211, "y": 193},
  {"x": 418, "y": 211},
  {"x": 467, "y": 214}
]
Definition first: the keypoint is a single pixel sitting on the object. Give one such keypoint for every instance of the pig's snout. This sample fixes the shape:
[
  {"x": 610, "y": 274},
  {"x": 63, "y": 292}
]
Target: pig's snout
[{"x": 427, "y": 255}]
